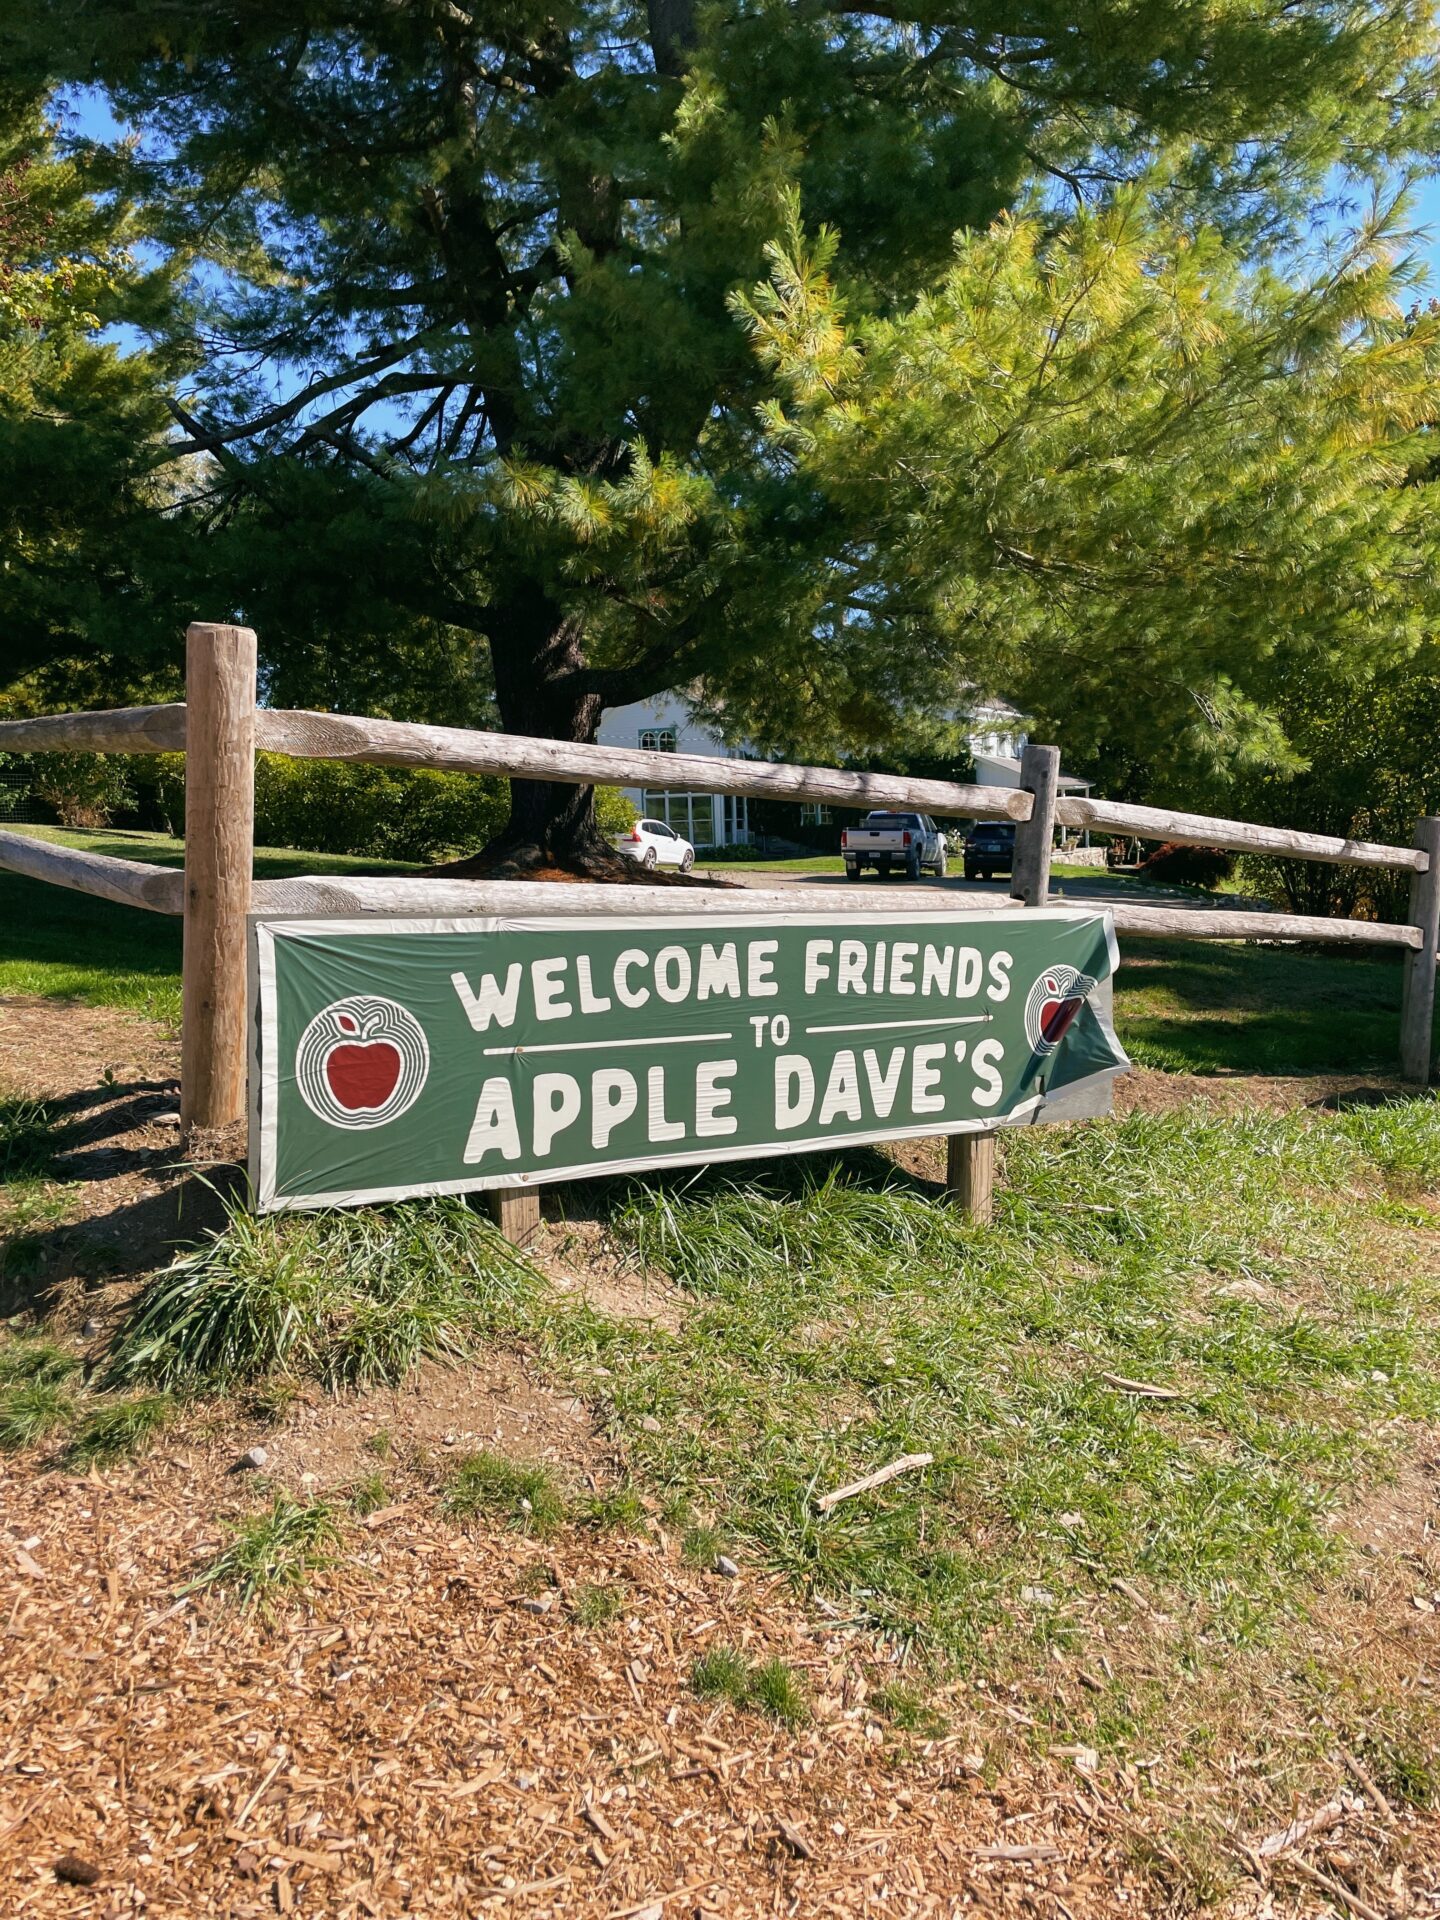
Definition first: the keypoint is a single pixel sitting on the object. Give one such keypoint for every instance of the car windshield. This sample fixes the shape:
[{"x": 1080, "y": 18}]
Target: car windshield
[
  {"x": 885, "y": 821},
  {"x": 987, "y": 831}
]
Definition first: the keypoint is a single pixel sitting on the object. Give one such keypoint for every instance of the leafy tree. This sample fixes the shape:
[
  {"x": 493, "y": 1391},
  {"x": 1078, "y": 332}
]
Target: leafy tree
[
  {"x": 1144, "y": 487},
  {"x": 1369, "y": 767},
  {"x": 472, "y": 366},
  {"x": 83, "y": 512}
]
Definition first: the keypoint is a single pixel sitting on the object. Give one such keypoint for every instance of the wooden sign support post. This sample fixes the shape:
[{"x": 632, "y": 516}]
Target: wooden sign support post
[
  {"x": 219, "y": 854},
  {"x": 1417, "y": 1002},
  {"x": 970, "y": 1161},
  {"x": 516, "y": 1211}
]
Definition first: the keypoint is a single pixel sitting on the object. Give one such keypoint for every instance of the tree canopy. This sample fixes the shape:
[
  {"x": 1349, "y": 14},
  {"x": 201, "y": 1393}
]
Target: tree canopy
[
  {"x": 83, "y": 533},
  {"x": 509, "y": 353}
]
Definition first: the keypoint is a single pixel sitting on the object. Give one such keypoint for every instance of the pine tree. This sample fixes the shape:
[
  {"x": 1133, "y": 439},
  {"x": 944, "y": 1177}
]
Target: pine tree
[
  {"x": 465, "y": 281},
  {"x": 84, "y": 513},
  {"x": 1131, "y": 478}
]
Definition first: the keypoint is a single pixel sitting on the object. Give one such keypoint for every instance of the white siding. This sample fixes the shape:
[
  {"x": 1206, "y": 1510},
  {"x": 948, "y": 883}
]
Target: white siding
[{"x": 705, "y": 819}]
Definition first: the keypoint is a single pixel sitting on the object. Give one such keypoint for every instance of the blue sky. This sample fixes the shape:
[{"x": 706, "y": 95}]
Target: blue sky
[{"x": 91, "y": 115}]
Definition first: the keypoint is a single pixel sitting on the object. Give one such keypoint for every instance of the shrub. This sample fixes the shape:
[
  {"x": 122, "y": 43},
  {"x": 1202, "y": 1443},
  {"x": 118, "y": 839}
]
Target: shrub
[
  {"x": 382, "y": 813},
  {"x": 1177, "y": 866},
  {"x": 83, "y": 788}
]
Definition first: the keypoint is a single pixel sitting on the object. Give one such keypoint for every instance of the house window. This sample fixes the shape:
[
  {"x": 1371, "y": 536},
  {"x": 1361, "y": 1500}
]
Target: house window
[
  {"x": 814, "y": 814},
  {"x": 698, "y": 816},
  {"x": 657, "y": 739}
]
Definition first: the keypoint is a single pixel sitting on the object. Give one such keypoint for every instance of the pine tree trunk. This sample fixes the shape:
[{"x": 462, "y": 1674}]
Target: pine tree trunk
[{"x": 536, "y": 655}]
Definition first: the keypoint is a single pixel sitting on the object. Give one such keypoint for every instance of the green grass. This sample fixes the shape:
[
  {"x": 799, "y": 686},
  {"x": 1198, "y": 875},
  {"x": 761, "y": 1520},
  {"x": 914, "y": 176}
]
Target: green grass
[
  {"x": 27, "y": 1140},
  {"x": 1275, "y": 1270},
  {"x": 761, "y": 863},
  {"x": 701, "y": 1545},
  {"x": 368, "y": 1494},
  {"x": 596, "y": 1606},
  {"x": 487, "y": 1486},
  {"x": 30, "y": 1197},
  {"x": 908, "y": 1710},
  {"x": 36, "y": 1361},
  {"x": 1189, "y": 1006},
  {"x": 347, "y": 1299},
  {"x": 30, "y": 1412},
  {"x": 619, "y": 1510},
  {"x": 69, "y": 946},
  {"x": 112, "y": 1430},
  {"x": 273, "y": 1554},
  {"x": 835, "y": 1326},
  {"x": 723, "y": 1673}
]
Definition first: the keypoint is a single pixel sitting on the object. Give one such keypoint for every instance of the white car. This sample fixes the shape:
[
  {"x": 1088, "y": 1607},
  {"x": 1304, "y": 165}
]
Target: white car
[{"x": 652, "y": 844}]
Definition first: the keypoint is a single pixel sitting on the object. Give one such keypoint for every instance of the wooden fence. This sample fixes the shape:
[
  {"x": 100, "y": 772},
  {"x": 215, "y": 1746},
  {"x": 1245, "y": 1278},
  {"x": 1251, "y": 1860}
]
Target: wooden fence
[{"x": 220, "y": 728}]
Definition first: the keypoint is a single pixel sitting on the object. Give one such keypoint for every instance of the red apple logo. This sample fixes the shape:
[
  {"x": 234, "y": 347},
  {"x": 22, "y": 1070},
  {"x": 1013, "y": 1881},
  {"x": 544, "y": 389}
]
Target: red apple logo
[
  {"x": 1057, "y": 1011},
  {"x": 1052, "y": 1004},
  {"x": 362, "y": 1073},
  {"x": 362, "y": 1062}
]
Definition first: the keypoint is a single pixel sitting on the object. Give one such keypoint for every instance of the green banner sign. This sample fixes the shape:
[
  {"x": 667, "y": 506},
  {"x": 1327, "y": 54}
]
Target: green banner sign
[{"x": 403, "y": 1056}]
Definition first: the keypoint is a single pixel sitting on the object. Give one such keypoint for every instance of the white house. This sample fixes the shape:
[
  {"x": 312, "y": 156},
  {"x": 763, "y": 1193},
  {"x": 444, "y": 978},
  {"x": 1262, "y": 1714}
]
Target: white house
[{"x": 666, "y": 725}]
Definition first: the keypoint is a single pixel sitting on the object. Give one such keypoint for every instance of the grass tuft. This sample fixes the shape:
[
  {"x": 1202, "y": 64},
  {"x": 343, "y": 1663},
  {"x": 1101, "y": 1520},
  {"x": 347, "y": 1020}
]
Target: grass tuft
[
  {"x": 723, "y": 1673},
  {"x": 30, "y": 1412},
  {"x": 38, "y": 1361},
  {"x": 596, "y": 1606},
  {"x": 273, "y": 1553},
  {"x": 27, "y": 1140},
  {"x": 487, "y": 1486},
  {"x": 368, "y": 1495},
  {"x": 774, "y": 1689},
  {"x": 619, "y": 1510},
  {"x": 349, "y": 1299},
  {"x": 907, "y": 1710},
  {"x": 1405, "y": 1768},
  {"x": 701, "y": 1546},
  {"x": 114, "y": 1429}
]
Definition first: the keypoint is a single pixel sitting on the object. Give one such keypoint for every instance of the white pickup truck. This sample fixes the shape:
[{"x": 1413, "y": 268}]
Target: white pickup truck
[{"x": 893, "y": 843}]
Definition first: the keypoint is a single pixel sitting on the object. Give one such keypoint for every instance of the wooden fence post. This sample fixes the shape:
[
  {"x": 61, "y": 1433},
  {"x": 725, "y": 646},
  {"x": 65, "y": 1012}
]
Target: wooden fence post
[
  {"x": 1417, "y": 1000},
  {"x": 970, "y": 1175},
  {"x": 516, "y": 1211},
  {"x": 219, "y": 855},
  {"x": 970, "y": 1158},
  {"x": 1034, "y": 838}
]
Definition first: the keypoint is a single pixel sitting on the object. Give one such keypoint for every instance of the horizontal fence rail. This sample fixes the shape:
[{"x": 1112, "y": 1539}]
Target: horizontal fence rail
[
  {"x": 395, "y": 743},
  {"x": 124, "y": 730},
  {"x": 135, "y": 883},
  {"x": 525, "y": 900},
  {"x": 130, "y": 883},
  {"x": 1207, "y": 924},
  {"x": 1235, "y": 836}
]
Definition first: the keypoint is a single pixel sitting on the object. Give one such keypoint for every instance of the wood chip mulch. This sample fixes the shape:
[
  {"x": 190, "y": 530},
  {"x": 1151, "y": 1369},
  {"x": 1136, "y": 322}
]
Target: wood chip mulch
[{"x": 432, "y": 1731}]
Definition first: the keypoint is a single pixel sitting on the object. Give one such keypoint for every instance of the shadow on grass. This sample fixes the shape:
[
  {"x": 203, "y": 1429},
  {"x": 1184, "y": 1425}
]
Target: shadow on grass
[
  {"x": 1211, "y": 1008},
  {"x": 794, "y": 1177}
]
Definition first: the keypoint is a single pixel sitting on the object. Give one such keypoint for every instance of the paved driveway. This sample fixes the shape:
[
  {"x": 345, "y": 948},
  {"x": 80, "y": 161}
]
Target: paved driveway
[{"x": 1102, "y": 890}]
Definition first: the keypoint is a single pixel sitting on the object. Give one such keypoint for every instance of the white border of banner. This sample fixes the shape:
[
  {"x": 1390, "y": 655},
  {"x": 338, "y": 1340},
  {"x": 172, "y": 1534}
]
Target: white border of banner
[{"x": 264, "y": 1076}]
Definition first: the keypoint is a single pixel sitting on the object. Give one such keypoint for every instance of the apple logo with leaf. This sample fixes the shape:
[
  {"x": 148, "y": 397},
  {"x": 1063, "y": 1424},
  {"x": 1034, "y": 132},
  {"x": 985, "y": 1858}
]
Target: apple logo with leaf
[
  {"x": 1057, "y": 1011},
  {"x": 362, "y": 1062},
  {"x": 1052, "y": 1004},
  {"x": 363, "y": 1071}
]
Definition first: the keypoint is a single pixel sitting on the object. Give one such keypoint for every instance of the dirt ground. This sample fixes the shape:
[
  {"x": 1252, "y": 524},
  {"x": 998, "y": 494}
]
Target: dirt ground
[{"x": 434, "y": 1729}]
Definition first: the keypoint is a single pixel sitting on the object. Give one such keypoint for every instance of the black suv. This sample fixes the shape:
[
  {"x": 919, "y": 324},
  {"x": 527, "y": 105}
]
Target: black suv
[{"x": 989, "y": 849}]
